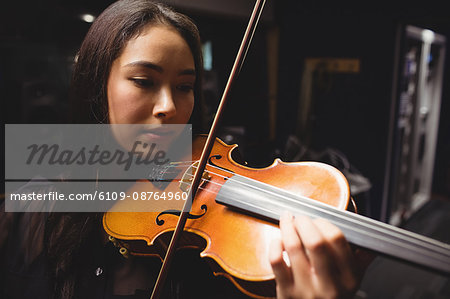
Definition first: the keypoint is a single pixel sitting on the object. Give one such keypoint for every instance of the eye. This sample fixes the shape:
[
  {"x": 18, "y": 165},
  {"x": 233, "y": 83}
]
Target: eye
[
  {"x": 187, "y": 87},
  {"x": 142, "y": 82}
]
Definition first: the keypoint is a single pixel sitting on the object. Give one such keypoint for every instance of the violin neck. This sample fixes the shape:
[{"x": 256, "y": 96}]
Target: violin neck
[{"x": 269, "y": 202}]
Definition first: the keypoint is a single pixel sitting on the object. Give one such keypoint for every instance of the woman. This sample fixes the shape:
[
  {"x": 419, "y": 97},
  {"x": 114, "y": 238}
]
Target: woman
[{"x": 141, "y": 63}]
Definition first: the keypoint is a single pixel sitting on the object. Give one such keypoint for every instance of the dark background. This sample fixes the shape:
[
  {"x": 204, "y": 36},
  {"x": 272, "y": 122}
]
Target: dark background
[{"x": 39, "y": 40}]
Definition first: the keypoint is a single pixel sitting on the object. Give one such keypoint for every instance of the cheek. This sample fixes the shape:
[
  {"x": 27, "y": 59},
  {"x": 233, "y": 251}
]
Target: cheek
[
  {"x": 122, "y": 102},
  {"x": 187, "y": 109}
]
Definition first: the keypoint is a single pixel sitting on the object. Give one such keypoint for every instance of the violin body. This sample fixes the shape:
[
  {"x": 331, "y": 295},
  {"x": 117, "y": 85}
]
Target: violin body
[{"x": 236, "y": 244}]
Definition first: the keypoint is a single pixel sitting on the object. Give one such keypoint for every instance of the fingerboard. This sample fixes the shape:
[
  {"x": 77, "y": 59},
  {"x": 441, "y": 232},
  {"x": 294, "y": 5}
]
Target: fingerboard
[{"x": 263, "y": 200}]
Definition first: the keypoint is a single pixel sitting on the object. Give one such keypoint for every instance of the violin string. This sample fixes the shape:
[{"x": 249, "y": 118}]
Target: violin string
[
  {"x": 350, "y": 226},
  {"x": 380, "y": 237},
  {"x": 326, "y": 209},
  {"x": 251, "y": 186},
  {"x": 190, "y": 163},
  {"x": 361, "y": 231},
  {"x": 343, "y": 219},
  {"x": 329, "y": 210}
]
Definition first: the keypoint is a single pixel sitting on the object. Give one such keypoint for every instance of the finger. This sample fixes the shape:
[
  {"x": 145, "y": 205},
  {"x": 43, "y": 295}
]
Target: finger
[
  {"x": 344, "y": 258},
  {"x": 300, "y": 266},
  {"x": 319, "y": 253},
  {"x": 283, "y": 274},
  {"x": 336, "y": 240}
]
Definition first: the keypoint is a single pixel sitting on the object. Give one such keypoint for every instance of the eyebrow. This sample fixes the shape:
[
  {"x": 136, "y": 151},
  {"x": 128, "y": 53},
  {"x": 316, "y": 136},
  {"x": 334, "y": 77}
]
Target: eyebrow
[{"x": 159, "y": 69}]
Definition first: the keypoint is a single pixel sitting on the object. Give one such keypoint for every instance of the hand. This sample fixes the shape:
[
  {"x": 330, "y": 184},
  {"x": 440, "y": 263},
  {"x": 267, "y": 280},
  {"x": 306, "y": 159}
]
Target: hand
[{"x": 322, "y": 264}]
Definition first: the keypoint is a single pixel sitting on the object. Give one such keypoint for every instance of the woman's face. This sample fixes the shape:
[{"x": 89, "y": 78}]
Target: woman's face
[{"x": 152, "y": 81}]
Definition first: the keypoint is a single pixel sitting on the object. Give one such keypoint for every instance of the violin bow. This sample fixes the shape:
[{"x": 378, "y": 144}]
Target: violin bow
[{"x": 239, "y": 61}]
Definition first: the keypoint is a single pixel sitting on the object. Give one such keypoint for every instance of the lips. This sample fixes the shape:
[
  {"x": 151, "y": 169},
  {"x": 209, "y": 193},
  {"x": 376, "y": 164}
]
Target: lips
[
  {"x": 160, "y": 135},
  {"x": 162, "y": 132}
]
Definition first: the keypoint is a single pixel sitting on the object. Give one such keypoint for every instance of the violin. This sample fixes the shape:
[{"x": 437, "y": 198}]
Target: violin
[
  {"x": 236, "y": 244},
  {"x": 234, "y": 217}
]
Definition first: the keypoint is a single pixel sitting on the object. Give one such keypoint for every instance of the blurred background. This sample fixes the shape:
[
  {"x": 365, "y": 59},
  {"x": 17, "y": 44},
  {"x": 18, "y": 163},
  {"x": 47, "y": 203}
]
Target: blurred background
[{"x": 359, "y": 85}]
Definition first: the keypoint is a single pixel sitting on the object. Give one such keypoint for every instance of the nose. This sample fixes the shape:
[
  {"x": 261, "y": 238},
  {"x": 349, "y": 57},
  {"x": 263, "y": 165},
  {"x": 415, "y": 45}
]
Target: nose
[{"x": 164, "y": 104}]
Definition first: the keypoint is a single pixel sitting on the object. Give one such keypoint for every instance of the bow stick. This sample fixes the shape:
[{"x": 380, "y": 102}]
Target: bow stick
[{"x": 240, "y": 57}]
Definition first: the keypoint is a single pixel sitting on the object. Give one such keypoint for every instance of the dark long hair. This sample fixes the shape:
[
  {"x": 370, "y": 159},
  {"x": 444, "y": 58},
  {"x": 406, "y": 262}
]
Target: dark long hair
[{"x": 68, "y": 235}]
